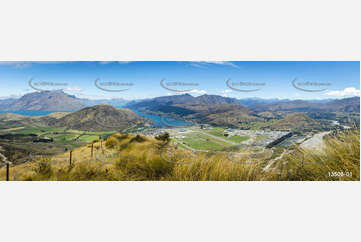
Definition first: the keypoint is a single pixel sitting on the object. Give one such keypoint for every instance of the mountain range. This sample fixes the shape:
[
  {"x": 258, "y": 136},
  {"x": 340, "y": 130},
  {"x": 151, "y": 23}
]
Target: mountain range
[
  {"x": 178, "y": 104},
  {"x": 44, "y": 101},
  {"x": 255, "y": 104},
  {"x": 342, "y": 105},
  {"x": 53, "y": 101}
]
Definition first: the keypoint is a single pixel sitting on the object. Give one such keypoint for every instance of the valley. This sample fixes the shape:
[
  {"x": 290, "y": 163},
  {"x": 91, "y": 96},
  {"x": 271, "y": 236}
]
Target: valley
[{"x": 210, "y": 126}]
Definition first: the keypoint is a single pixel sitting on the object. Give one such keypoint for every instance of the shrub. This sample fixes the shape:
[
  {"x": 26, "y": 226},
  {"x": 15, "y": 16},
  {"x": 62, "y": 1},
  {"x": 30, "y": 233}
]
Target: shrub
[
  {"x": 163, "y": 137},
  {"x": 138, "y": 138},
  {"x": 111, "y": 142}
]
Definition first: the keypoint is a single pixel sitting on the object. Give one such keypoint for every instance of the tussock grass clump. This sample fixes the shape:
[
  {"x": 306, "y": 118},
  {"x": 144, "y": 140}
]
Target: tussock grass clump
[
  {"x": 42, "y": 170},
  {"x": 85, "y": 171},
  {"x": 111, "y": 142},
  {"x": 121, "y": 137},
  {"x": 340, "y": 160},
  {"x": 216, "y": 168},
  {"x": 144, "y": 168},
  {"x": 138, "y": 138}
]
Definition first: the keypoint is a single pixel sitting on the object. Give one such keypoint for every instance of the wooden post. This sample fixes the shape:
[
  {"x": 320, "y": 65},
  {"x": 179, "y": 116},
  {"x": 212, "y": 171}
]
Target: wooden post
[
  {"x": 71, "y": 155},
  {"x": 7, "y": 171},
  {"x": 92, "y": 149}
]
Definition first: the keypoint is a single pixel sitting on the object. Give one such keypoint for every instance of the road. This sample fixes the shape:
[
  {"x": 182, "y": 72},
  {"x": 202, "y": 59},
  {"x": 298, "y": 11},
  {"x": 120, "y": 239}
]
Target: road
[
  {"x": 11, "y": 129},
  {"x": 3, "y": 158},
  {"x": 316, "y": 142},
  {"x": 266, "y": 168}
]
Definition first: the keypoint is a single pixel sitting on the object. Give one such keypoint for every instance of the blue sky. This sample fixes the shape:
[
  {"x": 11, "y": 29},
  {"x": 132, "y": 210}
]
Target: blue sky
[{"x": 343, "y": 78}]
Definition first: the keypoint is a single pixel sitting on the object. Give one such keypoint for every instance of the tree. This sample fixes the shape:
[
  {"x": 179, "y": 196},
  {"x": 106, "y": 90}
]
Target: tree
[{"x": 163, "y": 137}]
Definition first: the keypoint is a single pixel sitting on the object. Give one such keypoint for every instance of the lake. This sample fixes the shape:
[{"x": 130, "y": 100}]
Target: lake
[{"x": 159, "y": 121}]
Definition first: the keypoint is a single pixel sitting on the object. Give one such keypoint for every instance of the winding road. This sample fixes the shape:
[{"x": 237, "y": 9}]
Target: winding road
[{"x": 267, "y": 167}]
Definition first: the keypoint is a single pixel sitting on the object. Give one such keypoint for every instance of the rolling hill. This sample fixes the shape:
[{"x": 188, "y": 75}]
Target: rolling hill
[
  {"x": 100, "y": 118},
  {"x": 295, "y": 121}
]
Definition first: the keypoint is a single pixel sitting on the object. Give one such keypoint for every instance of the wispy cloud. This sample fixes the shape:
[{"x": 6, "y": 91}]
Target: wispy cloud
[
  {"x": 73, "y": 89},
  {"x": 199, "y": 92},
  {"x": 105, "y": 62},
  {"x": 94, "y": 97},
  {"x": 125, "y": 62},
  {"x": 16, "y": 64},
  {"x": 119, "y": 62},
  {"x": 349, "y": 91},
  {"x": 195, "y": 92},
  {"x": 226, "y": 93},
  {"x": 205, "y": 64},
  {"x": 25, "y": 64},
  {"x": 226, "y": 63},
  {"x": 198, "y": 65}
]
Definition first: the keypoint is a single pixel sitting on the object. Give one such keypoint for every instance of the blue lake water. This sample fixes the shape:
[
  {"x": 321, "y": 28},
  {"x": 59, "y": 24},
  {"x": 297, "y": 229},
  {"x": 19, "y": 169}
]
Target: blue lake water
[{"x": 159, "y": 121}]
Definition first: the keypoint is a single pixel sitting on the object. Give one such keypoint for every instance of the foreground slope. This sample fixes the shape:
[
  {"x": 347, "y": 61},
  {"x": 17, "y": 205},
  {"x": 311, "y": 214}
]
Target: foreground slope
[{"x": 136, "y": 157}]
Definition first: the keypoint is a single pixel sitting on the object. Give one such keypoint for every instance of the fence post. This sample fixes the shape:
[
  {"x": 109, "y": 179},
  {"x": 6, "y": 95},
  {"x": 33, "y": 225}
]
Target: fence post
[
  {"x": 92, "y": 149},
  {"x": 71, "y": 155},
  {"x": 7, "y": 171}
]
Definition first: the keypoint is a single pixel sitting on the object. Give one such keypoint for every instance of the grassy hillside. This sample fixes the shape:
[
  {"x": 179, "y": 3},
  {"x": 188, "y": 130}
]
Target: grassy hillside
[
  {"x": 135, "y": 157},
  {"x": 340, "y": 160},
  {"x": 98, "y": 118},
  {"x": 295, "y": 120}
]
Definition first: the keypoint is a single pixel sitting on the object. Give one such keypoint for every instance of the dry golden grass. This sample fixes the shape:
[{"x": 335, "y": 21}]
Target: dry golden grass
[
  {"x": 140, "y": 158},
  {"x": 216, "y": 168},
  {"x": 341, "y": 155}
]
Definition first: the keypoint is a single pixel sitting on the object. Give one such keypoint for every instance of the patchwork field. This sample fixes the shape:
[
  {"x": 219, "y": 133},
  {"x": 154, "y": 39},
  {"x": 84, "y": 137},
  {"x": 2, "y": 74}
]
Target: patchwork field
[
  {"x": 200, "y": 141},
  {"x": 20, "y": 143},
  {"x": 211, "y": 139}
]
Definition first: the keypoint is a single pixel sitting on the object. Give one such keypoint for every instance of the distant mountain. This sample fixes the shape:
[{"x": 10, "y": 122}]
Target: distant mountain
[
  {"x": 254, "y": 101},
  {"x": 45, "y": 101},
  {"x": 6, "y": 102},
  {"x": 186, "y": 99},
  {"x": 214, "y": 100},
  {"x": 54, "y": 101},
  {"x": 342, "y": 105},
  {"x": 211, "y": 109},
  {"x": 100, "y": 118}
]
